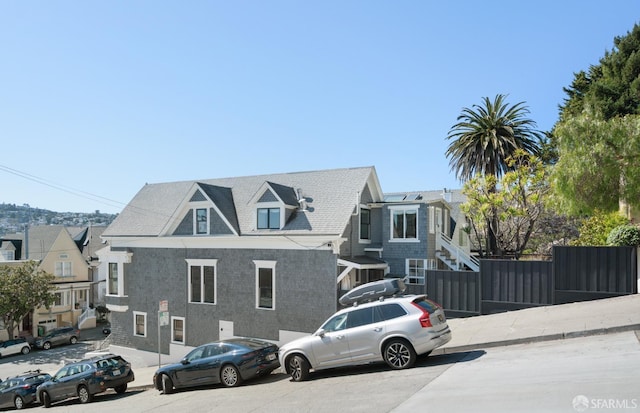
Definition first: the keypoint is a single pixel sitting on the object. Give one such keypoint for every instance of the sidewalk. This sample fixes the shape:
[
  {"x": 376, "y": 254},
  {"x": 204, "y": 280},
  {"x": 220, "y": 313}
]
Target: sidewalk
[{"x": 557, "y": 322}]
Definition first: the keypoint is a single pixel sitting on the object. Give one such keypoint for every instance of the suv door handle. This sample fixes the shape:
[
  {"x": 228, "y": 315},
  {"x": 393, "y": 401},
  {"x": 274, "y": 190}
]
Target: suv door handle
[
  {"x": 340, "y": 337},
  {"x": 377, "y": 329}
]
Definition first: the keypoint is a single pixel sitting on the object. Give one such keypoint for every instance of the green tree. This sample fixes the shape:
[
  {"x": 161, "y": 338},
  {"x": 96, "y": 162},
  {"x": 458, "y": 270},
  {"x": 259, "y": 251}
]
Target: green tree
[
  {"x": 22, "y": 289},
  {"x": 610, "y": 88},
  {"x": 517, "y": 199},
  {"x": 486, "y": 135},
  {"x": 482, "y": 140},
  {"x": 595, "y": 229},
  {"x": 599, "y": 164}
]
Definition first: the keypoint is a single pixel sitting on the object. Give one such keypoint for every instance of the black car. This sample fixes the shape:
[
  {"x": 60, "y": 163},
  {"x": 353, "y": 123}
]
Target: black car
[
  {"x": 85, "y": 378},
  {"x": 228, "y": 362},
  {"x": 60, "y": 335},
  {"x": 20, "y": 391}
]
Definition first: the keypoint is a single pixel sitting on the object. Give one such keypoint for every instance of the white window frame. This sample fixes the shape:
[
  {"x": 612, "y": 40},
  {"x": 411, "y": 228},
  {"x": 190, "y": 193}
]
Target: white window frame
[
  {"x": 404, "y": 209},
  {"x": 184, "y": 330},
  {"x": 195, "y": 220},
  {"x": 63, "y": 269},
  {"x": 202, "y": 263},
  {"x": 418, "y": 279},
  {"x": 260, "y": 264},
  {"x": 269, "y": 206},
  {"x": 119, "y": 258},
  {"x": 135, "y": 316}
]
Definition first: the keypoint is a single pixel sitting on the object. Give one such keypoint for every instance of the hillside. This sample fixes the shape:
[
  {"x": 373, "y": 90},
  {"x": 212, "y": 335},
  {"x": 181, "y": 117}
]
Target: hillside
[{"x": 14, "y": 218}]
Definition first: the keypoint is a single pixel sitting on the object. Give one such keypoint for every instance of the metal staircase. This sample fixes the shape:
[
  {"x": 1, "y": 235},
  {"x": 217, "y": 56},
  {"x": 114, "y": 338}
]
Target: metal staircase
[{"x": 453, "y": 256}]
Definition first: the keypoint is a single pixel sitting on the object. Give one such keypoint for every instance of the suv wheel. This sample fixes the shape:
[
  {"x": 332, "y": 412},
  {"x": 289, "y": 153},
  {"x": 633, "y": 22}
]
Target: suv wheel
[
  {"x": 25, "y": 350},
  {"x": 18, "y": 403},
  {"x": 299, "y": 368},
  {"x": 84, "y": 395},
  {"x": 121, "y": 389},
  {"x": 74, "y": 340},
  {"x": 399, "y": 354}
]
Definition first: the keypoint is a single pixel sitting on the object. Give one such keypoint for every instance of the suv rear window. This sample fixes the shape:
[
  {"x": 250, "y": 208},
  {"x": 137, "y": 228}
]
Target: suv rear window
[
  {"x": 390, "y": 311},
  {"x": 426, "y": 304}
]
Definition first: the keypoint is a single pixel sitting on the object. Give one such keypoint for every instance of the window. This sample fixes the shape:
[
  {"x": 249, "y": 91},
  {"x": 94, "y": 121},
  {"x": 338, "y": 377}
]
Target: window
[
  {"x": 417, "y": 268},
  {"x": 265, "y": 285},
  {"x": 139, "y": 324},
  {"x": 268, "y": 218},
  {"x": 360, "y": 317},
  {"x": 202, "y": 281},
  {"x": 63, "y": 269},
  {"x": 365, "y": 224},
  {"x": 201, "y": 221},
  {"x": 58, "y": 300},
  {"x": 177, "y": 330},
  {"x": 404, "y": 223},
  {"x": 112, "y": 285}
]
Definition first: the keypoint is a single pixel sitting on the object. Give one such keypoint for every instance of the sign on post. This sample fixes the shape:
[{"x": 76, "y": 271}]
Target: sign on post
[{"x": 163, "y": 320}]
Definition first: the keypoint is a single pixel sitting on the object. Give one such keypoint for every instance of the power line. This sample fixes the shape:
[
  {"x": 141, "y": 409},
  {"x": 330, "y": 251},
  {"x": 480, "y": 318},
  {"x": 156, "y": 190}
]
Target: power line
[{"x": 64, "y": 188}]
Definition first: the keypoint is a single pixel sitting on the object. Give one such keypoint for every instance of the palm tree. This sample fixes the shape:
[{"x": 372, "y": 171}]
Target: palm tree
[{"x": 484, "y": 137}]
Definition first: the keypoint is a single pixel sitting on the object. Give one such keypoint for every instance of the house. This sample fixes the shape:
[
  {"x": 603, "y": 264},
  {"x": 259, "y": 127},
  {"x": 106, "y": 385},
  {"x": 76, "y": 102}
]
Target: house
[
  {"x": 69, "y": 254},
  {"x": 263, "y": 256}
]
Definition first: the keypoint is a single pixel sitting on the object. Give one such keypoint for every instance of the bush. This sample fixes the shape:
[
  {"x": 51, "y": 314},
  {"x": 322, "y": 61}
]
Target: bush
[
  {"x": 595, "y": 229},
  {"x": 624, "y": 236}
]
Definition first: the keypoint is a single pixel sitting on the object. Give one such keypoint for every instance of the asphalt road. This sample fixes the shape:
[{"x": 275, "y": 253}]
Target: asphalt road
[{"x": 595, "y": 373}]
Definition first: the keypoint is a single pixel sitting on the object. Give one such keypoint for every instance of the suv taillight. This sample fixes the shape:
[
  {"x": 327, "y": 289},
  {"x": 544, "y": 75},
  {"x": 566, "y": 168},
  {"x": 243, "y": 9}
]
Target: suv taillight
[{"x": 425, "y": 320}]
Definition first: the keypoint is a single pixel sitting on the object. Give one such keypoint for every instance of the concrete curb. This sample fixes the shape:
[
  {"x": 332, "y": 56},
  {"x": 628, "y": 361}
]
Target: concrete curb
[{"x": 538, "y": 339}]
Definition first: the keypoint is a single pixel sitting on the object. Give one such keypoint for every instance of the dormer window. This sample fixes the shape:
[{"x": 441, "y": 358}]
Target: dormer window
[
  {"x": 268, "y": 218},
  {"x": 202, "y": 221}
]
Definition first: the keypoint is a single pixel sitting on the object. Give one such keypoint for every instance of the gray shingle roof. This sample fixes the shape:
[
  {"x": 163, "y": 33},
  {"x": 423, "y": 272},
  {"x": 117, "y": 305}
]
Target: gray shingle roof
[{"x": 331, "y": 198}]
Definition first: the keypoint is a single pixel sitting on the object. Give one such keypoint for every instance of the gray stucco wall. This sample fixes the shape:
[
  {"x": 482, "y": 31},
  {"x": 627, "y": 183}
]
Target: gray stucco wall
[{"x": 306, "y": 294}]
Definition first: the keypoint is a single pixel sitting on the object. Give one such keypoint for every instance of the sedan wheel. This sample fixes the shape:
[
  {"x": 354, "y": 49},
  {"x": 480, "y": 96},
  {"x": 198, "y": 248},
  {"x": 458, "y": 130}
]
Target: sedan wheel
[
  {"x": 167, "y": 384},
  {"x": 229, "y": 376},
  {"x": 84, "y": 395},
  {"x": 74, "y": 340},
  {"x": 46, "y": 399},
  {"x": 18, "y": 402},
  {"x": 25, "y": 350},
  {"x": 299, "y": 368},
  {"x": 399, "y": 354},
  {"x": 120, "y": 389},
  {"x": 46, "y": 345}
]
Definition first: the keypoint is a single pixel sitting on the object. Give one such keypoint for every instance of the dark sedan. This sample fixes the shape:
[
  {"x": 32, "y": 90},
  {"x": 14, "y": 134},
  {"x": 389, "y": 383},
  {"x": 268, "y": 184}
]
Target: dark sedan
[
  {"x": 229, "y": 362},
  {"x": 20, "y": 391}
]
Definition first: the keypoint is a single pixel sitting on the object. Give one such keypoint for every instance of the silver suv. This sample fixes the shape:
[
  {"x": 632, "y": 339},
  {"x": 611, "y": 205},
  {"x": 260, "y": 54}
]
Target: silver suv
[
  {"x": 60, "y": 335},
  {"x": 395, "y": 330}
]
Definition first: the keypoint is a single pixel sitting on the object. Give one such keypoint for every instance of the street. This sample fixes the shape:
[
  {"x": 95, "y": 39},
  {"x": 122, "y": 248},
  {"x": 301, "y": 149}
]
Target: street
[{"x": 597, "y": 373}]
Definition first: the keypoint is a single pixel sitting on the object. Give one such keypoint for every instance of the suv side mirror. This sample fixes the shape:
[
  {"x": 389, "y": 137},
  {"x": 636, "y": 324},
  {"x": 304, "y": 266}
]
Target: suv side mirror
[{"x": 321, "y": 332}]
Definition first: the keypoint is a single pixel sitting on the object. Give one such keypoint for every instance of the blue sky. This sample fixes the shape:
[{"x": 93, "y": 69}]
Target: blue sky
[{"x": 99, "y": 98}]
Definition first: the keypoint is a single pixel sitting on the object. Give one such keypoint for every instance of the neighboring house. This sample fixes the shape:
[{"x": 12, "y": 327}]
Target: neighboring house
[
  {"x": 262, "y": 256},
  {"x": 69, "y": 253}
]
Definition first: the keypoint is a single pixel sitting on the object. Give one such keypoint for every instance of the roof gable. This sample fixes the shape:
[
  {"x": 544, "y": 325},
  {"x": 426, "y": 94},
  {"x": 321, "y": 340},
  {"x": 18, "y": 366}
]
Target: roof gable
[{"x": 331, "y": 197}]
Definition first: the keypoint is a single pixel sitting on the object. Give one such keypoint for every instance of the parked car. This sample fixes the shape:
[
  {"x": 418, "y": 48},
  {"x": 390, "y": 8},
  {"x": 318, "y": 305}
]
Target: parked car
[
  {"x": 57, "y": 336},
  {"x": 14, "y": 346},
  {"x": 85, "y": 378},
  {"x": 229, "y": 362},
  {"x": 20, "y": 391},
  {"x": 390, "y": 327}
]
